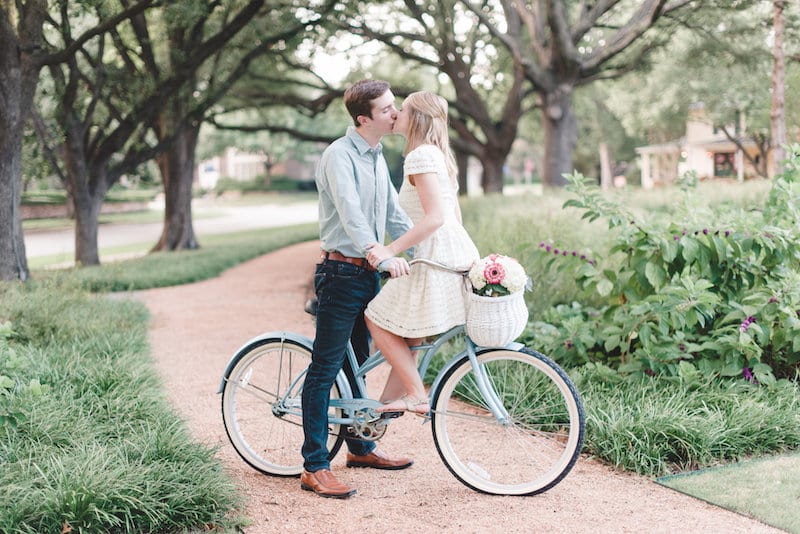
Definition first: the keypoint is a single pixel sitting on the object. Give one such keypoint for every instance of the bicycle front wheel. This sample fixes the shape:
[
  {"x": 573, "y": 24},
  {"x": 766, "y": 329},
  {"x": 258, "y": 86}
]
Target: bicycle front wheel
[
  {"x": 523, "y": 437},
  {"x": 261, "y": 406}
]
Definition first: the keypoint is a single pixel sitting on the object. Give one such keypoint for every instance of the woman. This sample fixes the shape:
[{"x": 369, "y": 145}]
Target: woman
[{"x": 428, "y": 301}]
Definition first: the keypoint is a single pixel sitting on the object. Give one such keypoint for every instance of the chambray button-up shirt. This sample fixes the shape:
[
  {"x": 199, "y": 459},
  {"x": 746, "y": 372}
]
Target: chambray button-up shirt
[{"x": 357, "y": 202}]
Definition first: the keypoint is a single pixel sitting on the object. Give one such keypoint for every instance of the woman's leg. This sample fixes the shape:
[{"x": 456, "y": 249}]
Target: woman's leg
[
  {"x": 394, "y": 388},
  {"x": 404, "y": 377}
]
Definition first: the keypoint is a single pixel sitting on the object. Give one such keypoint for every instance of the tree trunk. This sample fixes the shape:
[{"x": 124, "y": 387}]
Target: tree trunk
[
  {"x": 87, "y": 188},
  {"x": 492, "y": 179},
  {"x": 13, "y": 262},
  {"x": 19, "y": 76},
  {"x": 462, "y": 162},
  {"x": 177, "y": 173},
  {"x": 777, "y": 114},
  {"x": 560, "y": 134},
  {"x": 87, "y": 212}
]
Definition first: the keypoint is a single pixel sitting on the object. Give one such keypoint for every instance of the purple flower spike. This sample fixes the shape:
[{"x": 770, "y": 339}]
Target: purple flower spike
[
  {"x": 547, "y": 248},
  {"x": 746, "y": 323},
  {"x": 727, "y": 233},
  {"x": 556, "y": 251},
  {"x": 564, "y": 253},
  {"x": 748, "y": 375},
  {"x": 541, "y": 244},
  {"x": 705, "y": 231},
  {"x": 675, "y": 237}
]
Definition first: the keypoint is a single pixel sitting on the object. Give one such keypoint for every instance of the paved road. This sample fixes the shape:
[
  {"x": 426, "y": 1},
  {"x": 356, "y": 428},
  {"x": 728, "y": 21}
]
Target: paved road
[{"x": 224, "y": 220}]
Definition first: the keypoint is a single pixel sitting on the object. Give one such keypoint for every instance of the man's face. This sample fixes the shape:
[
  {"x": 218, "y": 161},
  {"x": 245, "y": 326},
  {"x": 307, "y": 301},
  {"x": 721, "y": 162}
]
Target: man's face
[{"x": 383, "y": 114}]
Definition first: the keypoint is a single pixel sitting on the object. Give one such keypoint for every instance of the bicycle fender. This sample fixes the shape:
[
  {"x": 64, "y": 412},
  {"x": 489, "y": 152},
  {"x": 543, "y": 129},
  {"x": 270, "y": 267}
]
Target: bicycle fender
[
  {"x": 277, "y": 335},
  {"x": 461, "y": 355}
]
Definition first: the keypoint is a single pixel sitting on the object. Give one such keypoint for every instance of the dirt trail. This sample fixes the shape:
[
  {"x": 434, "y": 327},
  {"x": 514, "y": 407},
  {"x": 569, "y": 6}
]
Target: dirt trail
[{"x": 196, "y": 328}]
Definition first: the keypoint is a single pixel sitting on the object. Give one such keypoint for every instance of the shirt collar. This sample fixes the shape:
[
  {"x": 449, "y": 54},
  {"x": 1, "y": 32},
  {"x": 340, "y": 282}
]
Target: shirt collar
[{"x": 360, "y": 143}]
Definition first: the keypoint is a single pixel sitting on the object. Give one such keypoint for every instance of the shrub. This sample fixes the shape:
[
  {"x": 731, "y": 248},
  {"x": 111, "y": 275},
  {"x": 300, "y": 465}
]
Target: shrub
[{"x": 709, "y": 291}]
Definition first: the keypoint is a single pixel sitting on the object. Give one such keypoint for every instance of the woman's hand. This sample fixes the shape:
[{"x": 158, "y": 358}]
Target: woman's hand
[{"x": 377, "y": 253}]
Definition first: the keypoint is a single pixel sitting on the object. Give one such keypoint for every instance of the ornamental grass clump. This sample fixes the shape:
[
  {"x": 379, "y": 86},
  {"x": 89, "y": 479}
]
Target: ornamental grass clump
[{"x": 703, "y": 289}]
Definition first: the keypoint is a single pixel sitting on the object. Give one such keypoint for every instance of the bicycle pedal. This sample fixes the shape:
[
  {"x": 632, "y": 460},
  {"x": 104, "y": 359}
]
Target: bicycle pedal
[{"x": 391, "y": 415}]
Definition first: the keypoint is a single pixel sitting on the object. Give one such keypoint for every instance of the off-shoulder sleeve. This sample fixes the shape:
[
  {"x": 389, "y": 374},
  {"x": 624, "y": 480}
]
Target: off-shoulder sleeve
[{"x": 423, "y": 159}]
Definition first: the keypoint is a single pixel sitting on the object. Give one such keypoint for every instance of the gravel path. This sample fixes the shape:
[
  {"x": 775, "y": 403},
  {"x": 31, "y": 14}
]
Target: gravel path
[{"x": 196, "y": 328}]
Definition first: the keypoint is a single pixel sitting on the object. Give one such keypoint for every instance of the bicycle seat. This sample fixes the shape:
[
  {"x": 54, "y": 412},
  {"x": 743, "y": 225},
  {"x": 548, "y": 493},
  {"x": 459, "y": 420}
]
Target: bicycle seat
[{"x": 311, "y": 306}]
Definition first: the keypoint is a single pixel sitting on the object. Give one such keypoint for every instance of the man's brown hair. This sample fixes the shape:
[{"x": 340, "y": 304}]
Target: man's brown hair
[{"x": 358, "y": 98}]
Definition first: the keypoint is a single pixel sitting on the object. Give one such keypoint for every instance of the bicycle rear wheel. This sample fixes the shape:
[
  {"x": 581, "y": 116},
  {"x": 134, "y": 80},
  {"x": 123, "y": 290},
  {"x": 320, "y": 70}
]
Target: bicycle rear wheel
[
  {"x": 261, "y": 406},
  {"x": 529, "y": 451}
]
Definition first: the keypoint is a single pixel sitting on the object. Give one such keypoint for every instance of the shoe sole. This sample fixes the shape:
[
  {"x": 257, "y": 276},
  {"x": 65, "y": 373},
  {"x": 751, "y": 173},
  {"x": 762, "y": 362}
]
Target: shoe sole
[
  {"x": 385, "y": 468},
  {"x": 329, "y": 495}
]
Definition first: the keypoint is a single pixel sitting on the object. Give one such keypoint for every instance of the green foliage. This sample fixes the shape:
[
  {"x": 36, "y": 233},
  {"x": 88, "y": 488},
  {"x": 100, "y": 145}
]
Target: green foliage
[
  {"x": 59, "y": 196},
  {"x": 659, "y": 425},
  {"x": 708, "y": 291},
  {"x": 163, "y": 269},
  {"x": 262, "y": 184},
  {"x": 93, "y": 444}
]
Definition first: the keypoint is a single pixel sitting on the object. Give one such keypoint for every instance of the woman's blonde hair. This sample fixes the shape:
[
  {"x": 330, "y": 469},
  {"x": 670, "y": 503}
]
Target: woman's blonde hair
[{"x": 427, "y": 125}]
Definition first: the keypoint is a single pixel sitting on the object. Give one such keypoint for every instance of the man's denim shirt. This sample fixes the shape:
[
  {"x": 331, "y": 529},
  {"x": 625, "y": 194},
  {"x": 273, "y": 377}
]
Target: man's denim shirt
[{"x": 357, "y": 201}]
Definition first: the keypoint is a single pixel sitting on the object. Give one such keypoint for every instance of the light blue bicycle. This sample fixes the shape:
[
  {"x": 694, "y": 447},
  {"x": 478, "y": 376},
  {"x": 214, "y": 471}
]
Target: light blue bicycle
[{"x": 505, "y": 420}]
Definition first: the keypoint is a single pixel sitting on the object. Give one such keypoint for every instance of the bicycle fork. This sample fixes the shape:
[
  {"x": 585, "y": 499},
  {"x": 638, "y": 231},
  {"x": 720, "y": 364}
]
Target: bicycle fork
[{"x": 485, "y": 386}]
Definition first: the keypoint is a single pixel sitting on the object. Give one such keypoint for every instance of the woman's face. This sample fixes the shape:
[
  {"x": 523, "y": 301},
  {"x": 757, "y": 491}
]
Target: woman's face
[{"x": 401, "y": 123}]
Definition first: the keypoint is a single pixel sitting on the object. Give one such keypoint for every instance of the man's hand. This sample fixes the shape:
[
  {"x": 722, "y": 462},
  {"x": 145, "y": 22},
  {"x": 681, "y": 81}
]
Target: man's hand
[
  {"x": 378, "y": 253},
  {"x": 395, "y": 266}
]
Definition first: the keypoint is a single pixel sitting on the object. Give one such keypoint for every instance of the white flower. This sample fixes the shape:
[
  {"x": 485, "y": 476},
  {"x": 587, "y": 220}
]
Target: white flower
[{"x": 515, "y": 279}]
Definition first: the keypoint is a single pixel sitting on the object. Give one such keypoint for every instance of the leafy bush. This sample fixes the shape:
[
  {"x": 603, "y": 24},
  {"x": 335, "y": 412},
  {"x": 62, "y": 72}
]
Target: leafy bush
[
  {"x": 59, "y": 196},
  {"x": 714, "y": 291},
  {"x": 260, "y": 184}
]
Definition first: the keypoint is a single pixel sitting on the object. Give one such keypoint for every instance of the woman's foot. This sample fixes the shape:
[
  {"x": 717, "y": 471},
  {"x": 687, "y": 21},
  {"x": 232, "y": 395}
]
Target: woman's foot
[{"x": 406, "y": 403}]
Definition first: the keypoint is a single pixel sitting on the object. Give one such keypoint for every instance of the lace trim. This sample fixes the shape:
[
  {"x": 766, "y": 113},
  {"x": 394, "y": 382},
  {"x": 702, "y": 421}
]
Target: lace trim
[{"x": 423, "y": 159}]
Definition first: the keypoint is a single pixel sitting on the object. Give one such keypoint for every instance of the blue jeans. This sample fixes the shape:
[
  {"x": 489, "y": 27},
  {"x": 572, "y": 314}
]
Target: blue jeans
[{"x": 343, "y": 292}]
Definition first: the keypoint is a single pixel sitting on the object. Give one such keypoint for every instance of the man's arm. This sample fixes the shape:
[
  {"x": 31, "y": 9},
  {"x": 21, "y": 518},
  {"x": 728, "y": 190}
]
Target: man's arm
[{"x": 341, "y": 179}]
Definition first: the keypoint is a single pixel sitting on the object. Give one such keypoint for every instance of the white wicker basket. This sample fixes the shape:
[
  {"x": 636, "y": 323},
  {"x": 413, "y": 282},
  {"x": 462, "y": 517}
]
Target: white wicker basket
[{"x": 495, "y": 321}]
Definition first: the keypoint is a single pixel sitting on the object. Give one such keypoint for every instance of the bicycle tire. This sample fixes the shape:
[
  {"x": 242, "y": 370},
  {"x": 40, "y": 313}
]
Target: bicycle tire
[
  {"x": 265, "y": 435},
  {"x": 537, "y": 446}
]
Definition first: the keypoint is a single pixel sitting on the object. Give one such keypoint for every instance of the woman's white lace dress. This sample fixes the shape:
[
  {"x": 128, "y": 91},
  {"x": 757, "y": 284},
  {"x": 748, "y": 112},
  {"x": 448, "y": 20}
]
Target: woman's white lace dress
[{"x": 428, "y": 301}]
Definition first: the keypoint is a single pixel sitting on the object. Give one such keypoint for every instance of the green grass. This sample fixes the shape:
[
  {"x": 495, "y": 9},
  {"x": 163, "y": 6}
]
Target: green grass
[
  {"x": 767, "y": 489},
  {"x": 218, "y": 253},
  {"x": 89, "y": 440}
]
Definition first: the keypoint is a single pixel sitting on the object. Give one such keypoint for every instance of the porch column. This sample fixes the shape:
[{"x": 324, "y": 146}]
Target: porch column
[{"x": 647, "y": 180}]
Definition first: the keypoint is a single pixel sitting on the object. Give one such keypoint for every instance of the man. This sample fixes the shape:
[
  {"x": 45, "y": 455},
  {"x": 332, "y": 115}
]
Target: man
[{"x": 357, "y": 206}]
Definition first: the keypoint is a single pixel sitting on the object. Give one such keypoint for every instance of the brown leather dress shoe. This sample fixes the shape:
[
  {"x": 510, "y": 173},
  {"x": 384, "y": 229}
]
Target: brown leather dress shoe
[
  {"x": 324, "y": 484},
  {"x": 377, "y": 460}
]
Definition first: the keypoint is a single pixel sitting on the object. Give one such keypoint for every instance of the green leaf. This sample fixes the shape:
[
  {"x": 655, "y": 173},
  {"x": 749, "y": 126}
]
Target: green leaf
[
  {"x": 655, "y": 274},
  {"x": 731, "y": 369},
  {"x": 604, "y": 287},
  {"x": 690, "y": 249},
  {"x": 669, "y": 250}
]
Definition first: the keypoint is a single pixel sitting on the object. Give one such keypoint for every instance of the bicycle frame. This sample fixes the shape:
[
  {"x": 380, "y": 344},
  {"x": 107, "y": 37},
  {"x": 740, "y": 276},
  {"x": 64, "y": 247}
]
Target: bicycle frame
[{"x": 349, "y": 403}]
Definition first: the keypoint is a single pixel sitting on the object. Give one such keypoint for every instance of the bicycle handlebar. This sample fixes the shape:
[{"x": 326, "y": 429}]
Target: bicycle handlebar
[{"x": 430, "y": 263}]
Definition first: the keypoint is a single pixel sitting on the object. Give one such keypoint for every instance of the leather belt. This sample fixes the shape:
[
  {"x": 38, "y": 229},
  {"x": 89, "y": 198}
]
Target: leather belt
[{"x": 359, "y": 262}]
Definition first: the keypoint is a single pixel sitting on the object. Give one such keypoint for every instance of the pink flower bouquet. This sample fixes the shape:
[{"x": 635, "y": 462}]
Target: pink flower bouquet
[{"x": 497, "y": 275}]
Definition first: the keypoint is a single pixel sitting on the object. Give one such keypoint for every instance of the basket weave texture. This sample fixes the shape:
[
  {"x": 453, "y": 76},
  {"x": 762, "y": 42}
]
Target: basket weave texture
[{"x": 495, "y": 321}]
